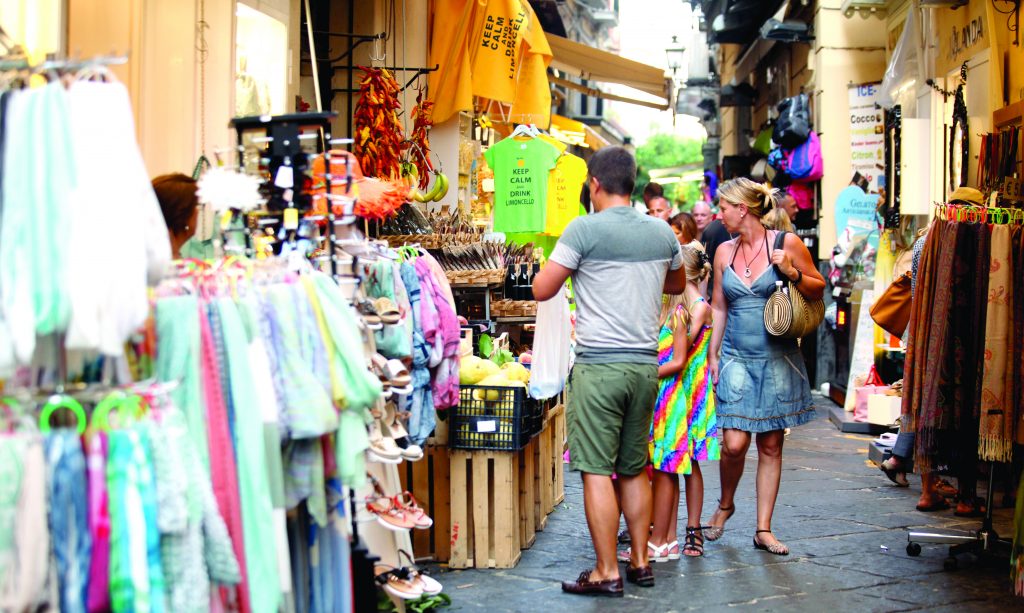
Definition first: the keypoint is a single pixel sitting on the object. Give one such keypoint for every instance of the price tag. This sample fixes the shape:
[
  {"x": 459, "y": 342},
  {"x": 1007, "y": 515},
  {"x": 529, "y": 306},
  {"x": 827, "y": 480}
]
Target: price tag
[
  {"x": 291, "y": 219},
  {"x": 285, "y": 178},
  {"x": 487, "y": 425},
  {"x": 488, "y": 185},
  {"x": 1012, "y": 189}
]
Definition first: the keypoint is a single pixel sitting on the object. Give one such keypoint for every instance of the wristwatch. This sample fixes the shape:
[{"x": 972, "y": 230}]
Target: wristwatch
[{"x": 799, "y": 277}]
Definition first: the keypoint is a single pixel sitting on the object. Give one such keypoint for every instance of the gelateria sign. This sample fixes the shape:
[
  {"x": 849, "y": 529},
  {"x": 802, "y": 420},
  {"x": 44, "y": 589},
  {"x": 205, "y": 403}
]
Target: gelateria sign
[{"x": 962, "y": 34}]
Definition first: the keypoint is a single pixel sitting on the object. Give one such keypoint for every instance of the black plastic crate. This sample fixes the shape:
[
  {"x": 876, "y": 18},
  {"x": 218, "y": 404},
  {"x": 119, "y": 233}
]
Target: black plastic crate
[{"x": 493, "y": 418}]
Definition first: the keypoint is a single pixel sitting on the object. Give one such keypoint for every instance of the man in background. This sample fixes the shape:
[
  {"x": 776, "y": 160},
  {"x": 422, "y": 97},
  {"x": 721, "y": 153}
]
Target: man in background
[
  {"x": 701, "y": 216},
  {"x": 651, "y": 191},
  {"x": 660, "y": 207},
  {"x": 788, "y": 203}
]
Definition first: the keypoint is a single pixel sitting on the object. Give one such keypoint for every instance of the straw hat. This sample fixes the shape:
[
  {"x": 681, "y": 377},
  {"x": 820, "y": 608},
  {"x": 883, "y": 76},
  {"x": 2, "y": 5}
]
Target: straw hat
[{"x": 968, "y": 195}]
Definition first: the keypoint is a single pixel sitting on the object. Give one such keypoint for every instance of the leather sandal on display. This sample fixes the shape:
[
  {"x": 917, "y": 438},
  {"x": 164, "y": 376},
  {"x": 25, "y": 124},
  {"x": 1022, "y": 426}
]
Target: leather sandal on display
[
  {"x": 382, "y": 448},
  {"x": 392, "y": 373},
  {"x": 411, "y": 452},
  {"x": 431, "y": 586},
  {"x": 397, "y": 582},
  {"x": 776, "y": 548},
  {"x": 713, "y": 533},
  {"x": 369, "y": 314},
  {"x": 387, "y": 512},
  {"x": 408, "y": 503},
  {"x": 388, "y": 312},
  {"x": 585, "y": 587},
  {"x": 393, "y": 424}
]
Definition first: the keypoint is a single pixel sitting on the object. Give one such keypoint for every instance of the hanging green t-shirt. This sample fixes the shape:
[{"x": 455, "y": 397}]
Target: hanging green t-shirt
[{"x": 521, "y": 169}]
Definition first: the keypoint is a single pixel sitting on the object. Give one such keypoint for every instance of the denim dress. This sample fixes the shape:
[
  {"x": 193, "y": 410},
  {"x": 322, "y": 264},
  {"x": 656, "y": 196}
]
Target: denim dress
[{"x": 762, "y": 381}]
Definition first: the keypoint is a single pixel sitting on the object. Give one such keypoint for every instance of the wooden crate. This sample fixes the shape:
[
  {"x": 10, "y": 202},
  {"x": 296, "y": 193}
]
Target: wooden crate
[
  {"x": 550, "y": 468},
  {"x": 556, "y": 420},
  {"x": 428, "y": 481},
  {"x": 485, "y": 509},
  {"x": 528, "y": 494}
]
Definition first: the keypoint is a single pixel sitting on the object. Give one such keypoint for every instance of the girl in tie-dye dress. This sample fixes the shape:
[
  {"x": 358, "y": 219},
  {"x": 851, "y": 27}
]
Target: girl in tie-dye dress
[{"x": 684, "y": 431}]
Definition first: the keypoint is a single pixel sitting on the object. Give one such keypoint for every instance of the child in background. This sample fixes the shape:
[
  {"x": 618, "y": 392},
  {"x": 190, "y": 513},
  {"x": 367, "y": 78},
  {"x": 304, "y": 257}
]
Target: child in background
[{"x": 684, "y": 429}]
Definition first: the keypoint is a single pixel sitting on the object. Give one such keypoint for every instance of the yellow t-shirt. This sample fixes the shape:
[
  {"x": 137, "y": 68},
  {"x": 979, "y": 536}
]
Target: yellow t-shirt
[{"x": 564, "y": 184}]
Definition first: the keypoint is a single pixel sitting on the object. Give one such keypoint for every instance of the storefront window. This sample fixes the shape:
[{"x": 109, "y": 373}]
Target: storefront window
[{"x": 261, "y": 54}]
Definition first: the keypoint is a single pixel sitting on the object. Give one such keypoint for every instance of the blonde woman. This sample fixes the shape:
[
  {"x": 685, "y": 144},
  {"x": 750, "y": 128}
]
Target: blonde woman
[{"x": 761, "y": 384}]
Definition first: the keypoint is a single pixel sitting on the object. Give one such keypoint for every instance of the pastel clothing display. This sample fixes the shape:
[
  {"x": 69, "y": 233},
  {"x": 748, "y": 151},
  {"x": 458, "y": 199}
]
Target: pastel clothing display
[{"x": 65, "y": 266}]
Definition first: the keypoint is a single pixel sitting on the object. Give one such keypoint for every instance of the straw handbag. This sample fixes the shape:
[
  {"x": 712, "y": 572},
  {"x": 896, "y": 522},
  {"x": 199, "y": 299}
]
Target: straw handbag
[{"x": 787, "y": 313}]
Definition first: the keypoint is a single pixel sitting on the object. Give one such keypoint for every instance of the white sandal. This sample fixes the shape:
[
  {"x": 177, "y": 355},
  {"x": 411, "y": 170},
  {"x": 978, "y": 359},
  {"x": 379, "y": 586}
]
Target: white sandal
[
  {"x": 668, "y": 550},
  {"x": 654, "y": 554}
]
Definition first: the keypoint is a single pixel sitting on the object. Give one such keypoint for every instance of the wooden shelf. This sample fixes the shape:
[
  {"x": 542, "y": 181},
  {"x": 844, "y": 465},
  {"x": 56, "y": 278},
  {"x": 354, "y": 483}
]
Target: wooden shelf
[{"x": 1008, "y": 115}]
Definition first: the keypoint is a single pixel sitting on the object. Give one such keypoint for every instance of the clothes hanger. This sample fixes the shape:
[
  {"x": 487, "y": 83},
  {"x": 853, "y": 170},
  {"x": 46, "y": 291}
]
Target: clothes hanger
[
  {"x": 119, "y": 401},
  {"x": 62, "y": 402},
  {"x": 525, "y": 129}
]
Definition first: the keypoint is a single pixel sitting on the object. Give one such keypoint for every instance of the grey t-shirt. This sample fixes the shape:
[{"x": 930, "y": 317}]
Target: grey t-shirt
[{"x": 619, "y": 259}]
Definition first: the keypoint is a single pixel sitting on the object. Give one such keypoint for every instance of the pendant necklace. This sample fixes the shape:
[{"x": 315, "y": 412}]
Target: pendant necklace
[{"x": 746, "y": 271}]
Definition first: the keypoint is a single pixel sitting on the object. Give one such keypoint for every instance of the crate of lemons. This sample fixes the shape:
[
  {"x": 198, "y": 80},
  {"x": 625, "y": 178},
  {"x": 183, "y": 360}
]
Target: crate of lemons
[{"x": 490, "y": 405}]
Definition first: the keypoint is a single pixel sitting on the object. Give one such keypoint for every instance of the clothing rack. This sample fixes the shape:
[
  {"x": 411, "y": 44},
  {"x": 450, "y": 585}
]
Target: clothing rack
[{"x": 985, "y": 541}]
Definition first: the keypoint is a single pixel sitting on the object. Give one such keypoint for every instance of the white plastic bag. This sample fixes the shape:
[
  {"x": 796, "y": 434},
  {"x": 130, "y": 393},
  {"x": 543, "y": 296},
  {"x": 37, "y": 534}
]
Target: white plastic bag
[
  {"x": 551, "y": 341},
  {"x": 904, "y": 70}
]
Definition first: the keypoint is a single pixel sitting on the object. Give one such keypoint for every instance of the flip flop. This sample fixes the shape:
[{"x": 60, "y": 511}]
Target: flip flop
[
  {"x": 896, "y": 476},
  {"x": 938, "y": 505}
]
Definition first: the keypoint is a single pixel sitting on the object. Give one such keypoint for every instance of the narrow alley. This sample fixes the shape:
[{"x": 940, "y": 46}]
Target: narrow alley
[{"x": 843, "y": 520}]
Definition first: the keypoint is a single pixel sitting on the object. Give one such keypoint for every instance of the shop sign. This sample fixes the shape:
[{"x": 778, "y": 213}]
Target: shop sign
[
  {"x": 856, "y": 217},
  {"x": 962, "y": 33},
  {"x": 867, "y": 133}
]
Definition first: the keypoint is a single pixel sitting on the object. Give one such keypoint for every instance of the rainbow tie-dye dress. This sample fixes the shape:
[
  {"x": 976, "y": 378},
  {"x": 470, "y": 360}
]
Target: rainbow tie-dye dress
[{"x": 684, "y": 426}]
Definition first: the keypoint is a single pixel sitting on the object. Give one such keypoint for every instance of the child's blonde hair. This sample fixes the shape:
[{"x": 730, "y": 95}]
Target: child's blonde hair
[{"x": 697, "y": 267}]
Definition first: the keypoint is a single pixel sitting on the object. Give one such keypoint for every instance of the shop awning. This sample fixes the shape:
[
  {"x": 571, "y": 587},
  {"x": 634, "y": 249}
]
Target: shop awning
[{"x": 592, "y": 64}]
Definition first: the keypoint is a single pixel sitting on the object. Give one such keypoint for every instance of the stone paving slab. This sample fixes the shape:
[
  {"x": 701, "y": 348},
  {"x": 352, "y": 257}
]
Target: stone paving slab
[{"x": 843, "y": 520}]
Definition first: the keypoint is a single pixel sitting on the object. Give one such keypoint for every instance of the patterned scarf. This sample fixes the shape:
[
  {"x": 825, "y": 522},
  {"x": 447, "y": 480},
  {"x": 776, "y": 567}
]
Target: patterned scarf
[
  {"x": 934, "y": 296},
  {"x": 995, "y": 441}
]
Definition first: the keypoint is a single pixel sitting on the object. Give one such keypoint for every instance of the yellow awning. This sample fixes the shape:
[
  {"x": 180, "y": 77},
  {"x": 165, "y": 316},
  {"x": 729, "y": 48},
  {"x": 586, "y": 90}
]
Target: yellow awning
[{"x": 592, "y": 64}]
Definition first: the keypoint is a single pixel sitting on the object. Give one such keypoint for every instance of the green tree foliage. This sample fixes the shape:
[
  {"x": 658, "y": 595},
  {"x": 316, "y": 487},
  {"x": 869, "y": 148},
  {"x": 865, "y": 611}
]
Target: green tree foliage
[{"x": 665, "y": 151}]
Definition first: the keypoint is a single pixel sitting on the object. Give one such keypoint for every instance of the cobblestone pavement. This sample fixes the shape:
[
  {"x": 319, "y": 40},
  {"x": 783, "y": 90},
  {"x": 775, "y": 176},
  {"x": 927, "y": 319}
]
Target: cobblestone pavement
[{"x": 843, "y": 520}]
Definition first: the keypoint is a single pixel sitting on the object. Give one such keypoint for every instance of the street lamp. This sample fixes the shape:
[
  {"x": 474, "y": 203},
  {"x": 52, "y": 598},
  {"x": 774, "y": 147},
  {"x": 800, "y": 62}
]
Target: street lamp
[{"x": 676, "y": 56}]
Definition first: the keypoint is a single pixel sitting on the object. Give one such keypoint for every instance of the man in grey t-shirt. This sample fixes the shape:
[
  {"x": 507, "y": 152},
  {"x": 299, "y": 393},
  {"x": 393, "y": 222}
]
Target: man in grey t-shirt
[{"x": 621, "y": 262}]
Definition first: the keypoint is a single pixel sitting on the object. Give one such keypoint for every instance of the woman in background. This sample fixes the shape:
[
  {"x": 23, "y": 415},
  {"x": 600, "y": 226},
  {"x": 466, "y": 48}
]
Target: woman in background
[{"x": 180, "y": 205}]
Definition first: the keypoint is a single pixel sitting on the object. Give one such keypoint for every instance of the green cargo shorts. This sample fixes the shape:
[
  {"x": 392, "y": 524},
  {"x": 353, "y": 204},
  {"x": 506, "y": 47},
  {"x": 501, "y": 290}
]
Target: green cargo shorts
[{"x": 609, "y": 417}]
